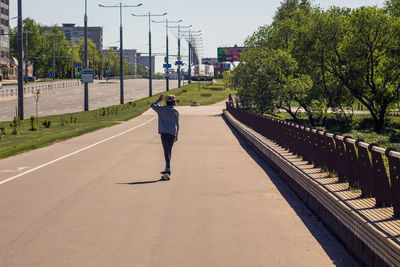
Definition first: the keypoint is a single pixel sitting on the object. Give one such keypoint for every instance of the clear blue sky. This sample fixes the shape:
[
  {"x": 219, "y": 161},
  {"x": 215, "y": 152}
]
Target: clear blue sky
[{"x": 222, "y": 22}]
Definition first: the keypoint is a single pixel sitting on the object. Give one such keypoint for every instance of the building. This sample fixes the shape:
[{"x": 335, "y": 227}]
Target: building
[
  {"x": 144, "y": 61},
  {"x": 75, "y": 33},
  {"x": 130, "y": 56},
  {"x": 4, "y": 39}
]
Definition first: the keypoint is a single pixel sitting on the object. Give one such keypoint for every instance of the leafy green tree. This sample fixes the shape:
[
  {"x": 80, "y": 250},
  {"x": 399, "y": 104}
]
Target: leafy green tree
[
  {"x": 367, "y": 60},
  {"x": 393, "y": 7}
]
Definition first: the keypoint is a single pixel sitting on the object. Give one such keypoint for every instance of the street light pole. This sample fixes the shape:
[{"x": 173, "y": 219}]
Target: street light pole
[
  {"x": 20, "y": 60},
  {"x": 121, "y": 49},
  {"x": 190, "y": 54},
  {"x": 167, "y": 52},
  {"x": 149, "y": 15},
  {"x": 85, "y": 61},
  {"x": 26, "y": 57},
  {"x": 190, "y": 63},
  {"x": 121, "y": 57},
  {"x": 150, "y": 67},
  {"x": 179, "y": 51}
]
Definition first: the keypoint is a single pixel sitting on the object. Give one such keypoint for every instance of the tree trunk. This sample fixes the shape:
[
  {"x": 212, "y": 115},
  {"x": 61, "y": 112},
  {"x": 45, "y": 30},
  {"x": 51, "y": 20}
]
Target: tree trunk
[{"x": 379, "y": 126}]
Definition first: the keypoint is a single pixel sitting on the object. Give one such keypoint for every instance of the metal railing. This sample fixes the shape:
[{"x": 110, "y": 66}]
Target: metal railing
[
  {"x": 5, "y": 92},
  {"x": 360, "y": 164}
]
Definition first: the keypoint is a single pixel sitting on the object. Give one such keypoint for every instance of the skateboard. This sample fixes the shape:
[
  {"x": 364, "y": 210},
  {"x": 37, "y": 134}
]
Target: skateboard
[{"x": 165, "y": 177}]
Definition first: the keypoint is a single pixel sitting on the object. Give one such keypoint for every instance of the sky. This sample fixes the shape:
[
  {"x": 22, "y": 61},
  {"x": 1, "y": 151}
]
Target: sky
[{"x": 222, "y": 22}]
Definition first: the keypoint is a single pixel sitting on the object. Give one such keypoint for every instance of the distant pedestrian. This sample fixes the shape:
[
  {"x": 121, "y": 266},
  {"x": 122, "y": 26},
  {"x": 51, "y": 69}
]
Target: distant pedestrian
[
  {"x": 230, "y": 100},
  {"x": 168, "y": 127}
]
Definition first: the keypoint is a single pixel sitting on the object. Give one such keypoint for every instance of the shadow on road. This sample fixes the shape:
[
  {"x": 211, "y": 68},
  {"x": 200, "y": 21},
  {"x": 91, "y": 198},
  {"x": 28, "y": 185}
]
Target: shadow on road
[
  {"x": 143, "y": 182},
  {"x": 337, "y": 253}
]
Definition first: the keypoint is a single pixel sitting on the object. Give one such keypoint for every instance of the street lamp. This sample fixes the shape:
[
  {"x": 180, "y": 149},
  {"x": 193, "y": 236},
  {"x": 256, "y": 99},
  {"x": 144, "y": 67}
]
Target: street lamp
[
  {"x": 179, "y": 50},
  {"x": 85, "y": 61},
  {"x": 120, "y": 5},
  {"x": 167, "y": 55},
  {"x": 191, "y": 34},
  {"x": 150, "y": 68},
  {"x": 20, "y": 74}
]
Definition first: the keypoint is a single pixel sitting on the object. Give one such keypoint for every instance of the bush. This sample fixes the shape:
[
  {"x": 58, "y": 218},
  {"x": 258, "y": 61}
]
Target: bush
[
  {"x": 14, "y": 126},
  {"x": 2, "y": 132},
  {"x": 33, "y": 124},
  {"x": 205, "y": 94},
  {"x": 46, "y": 123}
]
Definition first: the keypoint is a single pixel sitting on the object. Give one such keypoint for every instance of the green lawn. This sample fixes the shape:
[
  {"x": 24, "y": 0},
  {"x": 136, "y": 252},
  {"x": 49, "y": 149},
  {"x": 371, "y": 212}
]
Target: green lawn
[{"x": 74, "y": 124}]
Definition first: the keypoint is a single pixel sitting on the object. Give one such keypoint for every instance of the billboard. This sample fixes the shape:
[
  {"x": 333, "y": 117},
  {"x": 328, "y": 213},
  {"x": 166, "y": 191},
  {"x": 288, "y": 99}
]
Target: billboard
[
  {"x": 229, "y": 54},
  {"x": 209, "y": 61}
]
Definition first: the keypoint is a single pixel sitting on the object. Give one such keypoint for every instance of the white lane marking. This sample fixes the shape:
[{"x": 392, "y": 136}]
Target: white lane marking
[
  {"x": 17, "y": 170},
  {"x": 76, "y": 152}
]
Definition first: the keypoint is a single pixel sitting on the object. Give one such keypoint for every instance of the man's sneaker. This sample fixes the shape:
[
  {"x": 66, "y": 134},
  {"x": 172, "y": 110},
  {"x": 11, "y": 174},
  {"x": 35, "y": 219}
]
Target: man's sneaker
[{"x": 166, "y": 171}]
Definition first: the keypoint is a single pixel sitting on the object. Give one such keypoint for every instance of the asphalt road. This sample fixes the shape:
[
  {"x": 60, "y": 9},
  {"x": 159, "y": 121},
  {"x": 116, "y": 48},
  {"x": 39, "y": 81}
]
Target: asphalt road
[
  {"x": 95, "y": 200},
  {"x": 66, "y": 100}
]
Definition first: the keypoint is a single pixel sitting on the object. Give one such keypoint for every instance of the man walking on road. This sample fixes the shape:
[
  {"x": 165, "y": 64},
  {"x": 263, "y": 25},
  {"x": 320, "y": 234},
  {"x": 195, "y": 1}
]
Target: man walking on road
[{"x": 168, "y": 127}]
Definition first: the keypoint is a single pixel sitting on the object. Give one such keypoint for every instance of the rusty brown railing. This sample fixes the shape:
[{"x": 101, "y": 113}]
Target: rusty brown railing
[{"x": 356, "y": 162}]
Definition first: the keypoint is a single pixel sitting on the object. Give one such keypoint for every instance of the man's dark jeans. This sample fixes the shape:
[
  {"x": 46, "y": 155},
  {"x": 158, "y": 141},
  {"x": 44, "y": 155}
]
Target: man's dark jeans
[{"x": 167, "y": 142}]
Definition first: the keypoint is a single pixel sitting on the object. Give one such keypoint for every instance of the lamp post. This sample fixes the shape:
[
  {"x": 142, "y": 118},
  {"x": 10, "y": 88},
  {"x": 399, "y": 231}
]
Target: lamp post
[
  {"x": 167, "y": 55},
  {"x": 190, "y": 39},
  {"x": 121, "y": 53},
  {"x": 179, "y": 50},
  {"x": 85, "y": 61},
  {"x": 149, "y": 15},
  {"x": 20, "y": 74}
]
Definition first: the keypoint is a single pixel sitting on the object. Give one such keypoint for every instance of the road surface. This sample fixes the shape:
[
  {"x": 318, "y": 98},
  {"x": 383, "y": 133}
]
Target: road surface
[
  {"x": 67, "y": 100},
  {"x": 95, "y": 200}
]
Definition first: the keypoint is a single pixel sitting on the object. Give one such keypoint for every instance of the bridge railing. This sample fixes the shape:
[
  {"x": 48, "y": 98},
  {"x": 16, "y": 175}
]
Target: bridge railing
[{"x": 360, "y": 164}]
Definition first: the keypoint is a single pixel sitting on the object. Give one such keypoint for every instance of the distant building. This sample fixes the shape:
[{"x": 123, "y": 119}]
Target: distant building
[
  {"x": 144, "y": 61},
  {"x": 130, "y": 56},
  {"x": 4, "y": 39},
  {"x": 75, "y": 33}
]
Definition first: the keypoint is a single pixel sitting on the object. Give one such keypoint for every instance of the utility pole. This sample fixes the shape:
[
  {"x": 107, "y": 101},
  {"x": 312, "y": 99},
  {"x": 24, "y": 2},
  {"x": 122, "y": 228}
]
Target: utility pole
[
  {"x": 179, "y": 51},
  {"x": 26, "y": 57},
  {"x": 54, "y": 60},
  {"x": 167, "y": 52},
  {"x": 20, "y": 60},
  {"x": 121, "y": 57},
  {"x": 149, "y": 15},
  {"x": 72, "y": 63},
  {"x": 150, "y": 68},
  {"x": 85, "y": 61},
  {"x": 179, "y": 56},
  {"x": 190, "y": 63},
  {"x": 121, "y": 49},
  {"x": 190, "y": 40}
]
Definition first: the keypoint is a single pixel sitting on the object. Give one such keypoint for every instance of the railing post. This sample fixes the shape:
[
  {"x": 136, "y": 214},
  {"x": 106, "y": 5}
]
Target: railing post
[
  {"x": 365, "y": 170},
  {"x": 380, "y": 179},
  {"x": 394, "y": 169}
]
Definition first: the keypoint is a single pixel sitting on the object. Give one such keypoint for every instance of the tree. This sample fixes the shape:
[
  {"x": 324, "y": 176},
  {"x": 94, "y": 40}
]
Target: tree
[
  {"x": 393, "y": 7},
  {"x": 366, "y": 61}
]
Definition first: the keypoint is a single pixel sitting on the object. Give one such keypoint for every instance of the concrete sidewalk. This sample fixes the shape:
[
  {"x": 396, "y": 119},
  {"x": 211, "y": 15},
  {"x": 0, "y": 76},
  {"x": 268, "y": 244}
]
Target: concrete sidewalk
[{"x": 104, "y": 205}]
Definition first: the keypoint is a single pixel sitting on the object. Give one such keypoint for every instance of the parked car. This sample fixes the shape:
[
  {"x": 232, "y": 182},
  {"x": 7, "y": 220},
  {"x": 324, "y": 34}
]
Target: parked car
[{"x": 31, "y": 79}]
